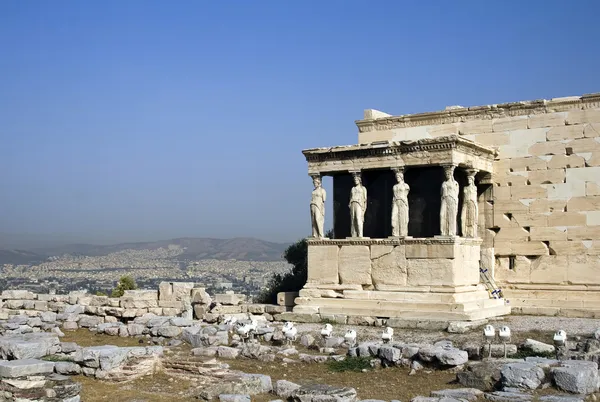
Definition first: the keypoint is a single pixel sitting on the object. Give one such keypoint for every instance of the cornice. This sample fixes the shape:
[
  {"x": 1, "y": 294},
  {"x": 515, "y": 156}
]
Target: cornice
[
  {"x": 383, "y": 149},
  {"x": 464, "y": 114},
  {"x": 392, "y": 241}
]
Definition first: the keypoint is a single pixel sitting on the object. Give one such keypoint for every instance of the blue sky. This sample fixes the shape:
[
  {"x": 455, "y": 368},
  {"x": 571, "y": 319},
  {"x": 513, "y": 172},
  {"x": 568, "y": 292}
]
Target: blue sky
[{"x": 141, "y": 120}]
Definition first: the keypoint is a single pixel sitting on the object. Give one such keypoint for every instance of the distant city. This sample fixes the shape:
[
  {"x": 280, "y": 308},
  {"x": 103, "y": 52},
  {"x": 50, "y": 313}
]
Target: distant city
[{"x": 241, "y": 264}]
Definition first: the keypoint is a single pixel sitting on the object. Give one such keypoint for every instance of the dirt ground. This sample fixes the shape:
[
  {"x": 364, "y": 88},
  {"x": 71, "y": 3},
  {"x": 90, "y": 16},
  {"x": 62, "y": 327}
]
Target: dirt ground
[{"x": 386, "y": 384}]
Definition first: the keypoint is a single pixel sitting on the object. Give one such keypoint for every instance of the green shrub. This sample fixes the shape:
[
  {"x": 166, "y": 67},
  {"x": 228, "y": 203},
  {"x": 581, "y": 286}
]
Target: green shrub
[
  {"x": 125, "y": 283},
  {"x": 297, "y": 256},
  {"x": 350, "y": 363}
]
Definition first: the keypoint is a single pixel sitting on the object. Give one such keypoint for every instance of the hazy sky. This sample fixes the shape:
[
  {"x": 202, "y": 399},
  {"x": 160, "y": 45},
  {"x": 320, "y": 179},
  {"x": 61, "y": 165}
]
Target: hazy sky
[{"x": 140, "y": 120}]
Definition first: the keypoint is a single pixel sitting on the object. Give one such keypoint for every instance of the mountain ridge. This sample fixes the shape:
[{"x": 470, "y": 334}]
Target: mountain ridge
[{"x": 196, "y": 248}]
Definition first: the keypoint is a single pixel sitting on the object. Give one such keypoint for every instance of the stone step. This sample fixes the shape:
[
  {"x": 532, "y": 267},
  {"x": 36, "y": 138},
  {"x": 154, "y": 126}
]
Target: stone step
[
  {"x": 430, "y": 297},
  {"x": 557, "y": 311},
  {"x": 431, "y": 315},
  {"x": 307, "y": 305}
]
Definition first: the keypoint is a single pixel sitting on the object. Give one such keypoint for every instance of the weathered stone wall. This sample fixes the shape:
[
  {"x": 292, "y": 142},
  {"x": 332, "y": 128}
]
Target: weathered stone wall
[
  {"x": 80, "y": 309},
  {"x": 542, "y": 217}
]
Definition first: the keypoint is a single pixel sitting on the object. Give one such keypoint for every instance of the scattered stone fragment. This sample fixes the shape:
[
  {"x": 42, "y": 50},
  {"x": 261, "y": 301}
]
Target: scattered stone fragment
[
  {"x": 538, "y": 347},
  {"x": 500, "y": 396},
  {"x": 469, "y": 394},
  {"x": 522, "y": 375},
  {"x": 313, "y": 393},
  {"x": 578, "y": 377},
  {"x": 25, "y": 367}
]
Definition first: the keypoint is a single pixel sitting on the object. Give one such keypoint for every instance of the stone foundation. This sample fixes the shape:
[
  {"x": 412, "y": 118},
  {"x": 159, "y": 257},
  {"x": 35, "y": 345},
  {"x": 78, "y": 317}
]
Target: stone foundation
[{"x": 435, "y": 279}]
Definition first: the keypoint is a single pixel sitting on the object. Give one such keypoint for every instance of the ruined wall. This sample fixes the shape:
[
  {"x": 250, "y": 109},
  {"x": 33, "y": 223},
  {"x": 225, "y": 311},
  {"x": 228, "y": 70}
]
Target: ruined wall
[{"x": 542, "y": 217}]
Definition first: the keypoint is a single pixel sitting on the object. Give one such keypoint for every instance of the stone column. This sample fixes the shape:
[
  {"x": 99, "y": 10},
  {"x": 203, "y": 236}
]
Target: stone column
[
  {"x": 400, "y": 205},
  {"x": 470, "y": 209},
  {"x": 449, "y": 207},
  {"x": 358, "y": 205},
  {"x": 317, "y": 208}
]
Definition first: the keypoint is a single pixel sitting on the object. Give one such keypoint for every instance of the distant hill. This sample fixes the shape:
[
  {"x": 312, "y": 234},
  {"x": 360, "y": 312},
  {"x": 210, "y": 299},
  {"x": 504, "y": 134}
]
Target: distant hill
[
  {"x": 20, "y": 257},
  {"x": 242, "y": 248}
]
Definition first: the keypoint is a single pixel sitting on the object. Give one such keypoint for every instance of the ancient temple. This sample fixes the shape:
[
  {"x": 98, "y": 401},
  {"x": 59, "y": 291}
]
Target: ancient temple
[
  {"x": 401, "y": 246},
  {"x": 425, "y": 200}
]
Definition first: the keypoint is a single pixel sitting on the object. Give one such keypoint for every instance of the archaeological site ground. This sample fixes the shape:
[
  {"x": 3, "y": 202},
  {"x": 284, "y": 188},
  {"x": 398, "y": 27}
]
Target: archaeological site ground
[{"x": 463, "y": 265}]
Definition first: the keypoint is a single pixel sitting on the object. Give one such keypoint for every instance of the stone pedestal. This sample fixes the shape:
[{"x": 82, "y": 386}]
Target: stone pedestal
[{"x": 426, "y": 279}]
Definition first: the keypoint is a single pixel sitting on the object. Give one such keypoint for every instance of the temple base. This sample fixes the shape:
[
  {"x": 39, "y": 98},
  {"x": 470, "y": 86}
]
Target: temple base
[
  {"x": 444, "y": 304},
  {"x": 435, "y": 279}
]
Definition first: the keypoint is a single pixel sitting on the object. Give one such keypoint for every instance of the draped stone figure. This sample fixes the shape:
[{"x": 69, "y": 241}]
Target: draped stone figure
[
  {"x": 358, "y": 206},
  {"x": 400, "y": 206},
  {"x": 470, "y": 209},
  {"x": 449, "y": 208},
  {"x": 317, "y": 208}
]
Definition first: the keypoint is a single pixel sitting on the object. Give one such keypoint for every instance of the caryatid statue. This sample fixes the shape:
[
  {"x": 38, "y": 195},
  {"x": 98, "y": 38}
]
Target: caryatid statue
[
  {"x": 449, "y": 208},
  {"x": 317, "y": 208},
  {"x": 358, "y": 206},
  {"x": 400, "y": 206},
  {"x": 470, "y": 209}
]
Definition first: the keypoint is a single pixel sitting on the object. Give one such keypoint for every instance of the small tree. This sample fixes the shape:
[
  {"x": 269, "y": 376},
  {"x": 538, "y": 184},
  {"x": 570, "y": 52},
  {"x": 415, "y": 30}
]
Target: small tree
[
  {"x": 125, "y": 283},
  {"x": 297, "y": 256}
]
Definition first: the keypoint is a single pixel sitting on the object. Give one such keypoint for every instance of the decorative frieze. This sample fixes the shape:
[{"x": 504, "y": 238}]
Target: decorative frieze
[
  {"x": 461, "y": 115},
  {"x": 393, "y": 241}
]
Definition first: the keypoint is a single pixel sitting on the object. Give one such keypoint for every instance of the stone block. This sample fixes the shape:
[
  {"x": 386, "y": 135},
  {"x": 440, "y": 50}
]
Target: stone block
[
  {"x": 229, "y": 299},
  {"x": 355, "y": 265},
  {"x": 199, "y": 295},
  {"x": 286, "y": 299},
  {"x": 566, "y": 161},
  {"x": 566, "y": 219},
  {"x": 547, "y": 177},
  {"x": 200, "y": 310},
  {"x": 565, "y": 132},
  {"x": 521, "y": 141},
  {"x": 548, "y": 233},
  {"x": 583, "y": 269},
  {"x": 547, "y": 120},
  {"x": 583, "y": 116},
  {"x": 549, "y": 269},
  {"x": 501, "y": 193},
  {"x": 543, "y": 206},
  {"x": 170, "y": 304},
  {"x": 530, "y": 248},
  {"x": 490, "y": 139},
  {"x": 520, "y": 273},
  {"x": 530, "y": 219},
  {"x": 129, "y": 302},
  {"x": 584, "y": 145},
  {"x": 142, "y": 294},
  {"x": 592, "y": 218},
  {"x": 430, "y": 272},
  {"x": 165, "y": 291},
  {"x": 591, "y": 203},
  {"x": 183, "y": 290},
  {"x": 17, "y": 295},
  {"x": 323, "y": 264},
  {"x": 512, "y": 234},
  {"x": 592, "y": 189},
  {"x": 25, "y": 367},
  {"x": 567, "y": 247},
  {"x": 509, "y": 123},
  {"x": 475, "y": 127},
  {"x": 592, "y": 130},
  {"x": 547, "y": 148},
  {"x": 528, "y": 163},
  {"x": 388, "y": 266}
]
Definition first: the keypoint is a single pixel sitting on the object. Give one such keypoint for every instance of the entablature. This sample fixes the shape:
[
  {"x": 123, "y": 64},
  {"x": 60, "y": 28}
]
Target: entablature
[{"x": 439, "y": 151}]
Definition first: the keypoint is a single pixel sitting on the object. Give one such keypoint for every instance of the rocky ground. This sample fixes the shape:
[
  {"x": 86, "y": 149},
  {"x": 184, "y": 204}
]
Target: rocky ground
[{"x": 91, "y": 348}]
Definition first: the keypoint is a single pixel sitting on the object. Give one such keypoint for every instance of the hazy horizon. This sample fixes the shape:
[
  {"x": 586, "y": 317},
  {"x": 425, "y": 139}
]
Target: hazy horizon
[{"x": 148, "y": 120}]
